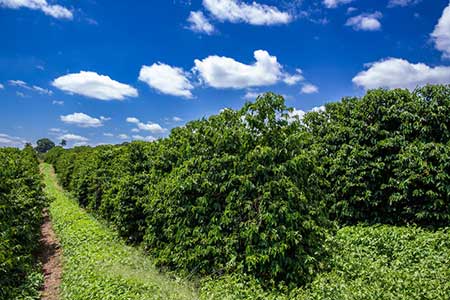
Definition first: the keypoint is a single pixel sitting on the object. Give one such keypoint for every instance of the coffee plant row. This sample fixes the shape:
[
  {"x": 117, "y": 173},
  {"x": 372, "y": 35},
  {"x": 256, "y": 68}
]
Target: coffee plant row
[
  {"x": 21, "y": 204},
  {"x": 257, "y": 191}
]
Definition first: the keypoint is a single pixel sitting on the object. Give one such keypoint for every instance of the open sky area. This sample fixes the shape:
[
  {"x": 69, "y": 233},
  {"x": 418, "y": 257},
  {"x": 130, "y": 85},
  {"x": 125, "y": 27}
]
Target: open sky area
[{"x": 96, "y": 71}]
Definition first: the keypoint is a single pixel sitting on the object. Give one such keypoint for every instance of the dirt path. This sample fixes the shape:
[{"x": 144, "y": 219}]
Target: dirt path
[{"x": 51, "y": 260}]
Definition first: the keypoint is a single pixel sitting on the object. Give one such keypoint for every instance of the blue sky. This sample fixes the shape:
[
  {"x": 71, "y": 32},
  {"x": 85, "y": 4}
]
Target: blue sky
[{"x": 94, "y": 71}]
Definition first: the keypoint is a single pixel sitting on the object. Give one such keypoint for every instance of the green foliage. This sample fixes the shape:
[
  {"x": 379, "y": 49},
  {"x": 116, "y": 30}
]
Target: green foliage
[
  {"x": 235, "y": 192},
  {"x": 21, "y": 204},
  {"x": 375, "y": 262},
  {"x": 97, "y": 264},
  {"x": 386, "y": 156},
  {"x": 386, "y": 262},
  {"x": 44, "y": 145},
  {"x": 248, "y": 191}
]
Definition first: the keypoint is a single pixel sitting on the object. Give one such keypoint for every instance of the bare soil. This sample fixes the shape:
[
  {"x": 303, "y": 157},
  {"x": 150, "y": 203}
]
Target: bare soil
[{"x": 50, "y": 257}]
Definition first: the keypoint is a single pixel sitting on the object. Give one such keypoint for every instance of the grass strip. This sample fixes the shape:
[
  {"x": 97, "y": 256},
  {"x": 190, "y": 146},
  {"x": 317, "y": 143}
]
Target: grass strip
[{"x": 96, "y": 262}]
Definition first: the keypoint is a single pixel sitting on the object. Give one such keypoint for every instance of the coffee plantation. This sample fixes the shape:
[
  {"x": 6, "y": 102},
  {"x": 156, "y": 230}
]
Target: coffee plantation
[
  {"x": 349, "y": 202},
  {"x": 257, "y": 191}
]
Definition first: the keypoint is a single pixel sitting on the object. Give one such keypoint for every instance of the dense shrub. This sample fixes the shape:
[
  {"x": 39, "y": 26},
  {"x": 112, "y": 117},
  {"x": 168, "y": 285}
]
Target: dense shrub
[
  {"x": 248, "y": 191},
  {"x": 386, "y": 156},
  {"x": 232, "y": 192},
  {"x": 21, "y": 204}
]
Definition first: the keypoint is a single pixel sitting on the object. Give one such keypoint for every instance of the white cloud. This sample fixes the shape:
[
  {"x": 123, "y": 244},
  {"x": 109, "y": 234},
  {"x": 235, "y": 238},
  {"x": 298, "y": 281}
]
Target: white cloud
[
  {"x": 11, "y": 141},
  {"x": 56, "y": 102},
  {"x": 123, "y": 136},
  {"x": 56, "y": 130},
  {"x": 399, "y": 73},
  {"x": 20, "y": 83},
  {"x": 308, "y": 88},
  {"x": 238, "y": 12},
  {"x": 144, "y": 138},
  {"x": 318, "y": 108},
  {"x": 177, "y": 119},
  {"x": 199, "y": 23},
  {"x": 23, "y": 84},
  {"x": 351, "y": 9},
  {"x": 132, "y": 120},
  {"x": 335, "y": 3},
  {"x": 166, "y": 79},
  {"x": 441, "y": 33},
  {"x": 298, "y": 114},
  {"x": 108, "y": 134},
  {"x": 73, "y": 138},
  {"x": 55, "y": 11},
  {"x": 82, "y": 120},
  {"x": 152, "y": 127},
  {"x": 250, "y": 95},
  {"x": 365, "y": 22},
  {"x": 91, "y": 84},
  {"x": 42, "y": 90},
  {"x": 2, "y": 86},
  {"x": 393, "y": 3},
  {"x": 225, "y": 72},
  {"x": 293, "y": 79}
]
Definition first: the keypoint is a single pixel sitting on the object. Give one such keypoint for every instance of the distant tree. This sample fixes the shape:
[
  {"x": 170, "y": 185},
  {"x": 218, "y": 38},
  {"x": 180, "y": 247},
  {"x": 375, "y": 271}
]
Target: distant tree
[
  {"x": 43, "y": 145},
  {"x": 63, "y": 142}
]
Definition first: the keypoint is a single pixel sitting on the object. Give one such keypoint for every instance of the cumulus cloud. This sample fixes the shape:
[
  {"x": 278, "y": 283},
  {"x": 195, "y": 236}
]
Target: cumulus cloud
[
  {"x": 132, "y": 120},
  {"x": 55, "y": 11},
  {"x": 199, "y": 23},
  {"x": 93, "y": 85},
  {"x": 2, "y": 86},
  {"x": 11, "y": 141},
  {"x": 166, "y": 79},
  {"x": 308, "y": 88},
  {"x": 56, "y": 102},
  {"x": 123, "y": 136},
  {"x": 177, "y": 119},
  {"x": 335, "y": 3},
  {"x": 108, "y": 134},
  {"x": 224, "y": 72},
  {"x": 295, "y": 78},
  {"x": 399, "y": 73},
  {"x": 152, "y": 127},
  {"x": 73, "y": 138},
  {"x": 365, "y": 22},
  {"x": 441, "y": 33},
  {"x": 238, "y": 12},
  {"x": 83, "y": 120}
]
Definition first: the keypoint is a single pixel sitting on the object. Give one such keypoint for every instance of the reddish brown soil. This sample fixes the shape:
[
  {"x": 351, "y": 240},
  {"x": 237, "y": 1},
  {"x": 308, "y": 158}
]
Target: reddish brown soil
[{"x": 51, "y": 260}]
